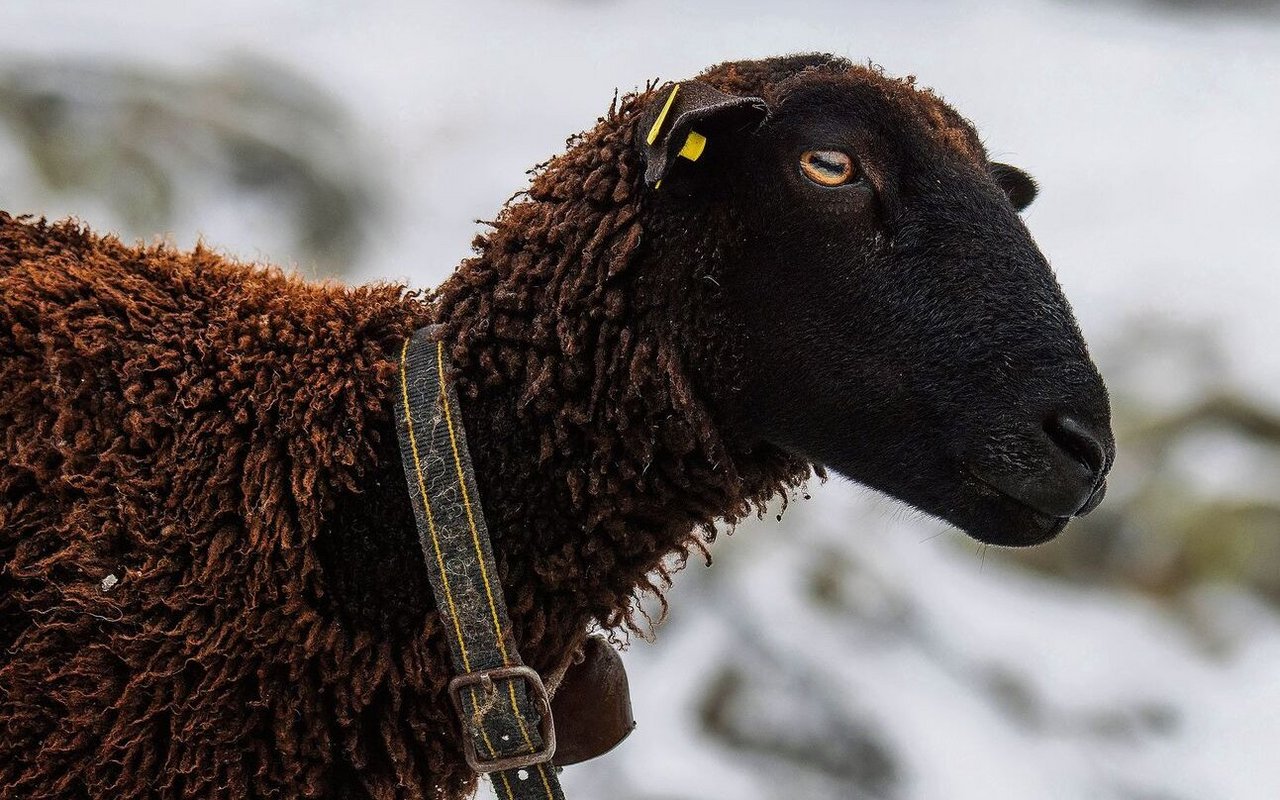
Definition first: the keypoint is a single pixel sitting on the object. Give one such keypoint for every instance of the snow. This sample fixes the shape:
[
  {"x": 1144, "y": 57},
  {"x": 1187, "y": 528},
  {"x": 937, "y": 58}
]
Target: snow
[
  {"x": 979, "y": 679},
  {"x": 941, "y": 672}
]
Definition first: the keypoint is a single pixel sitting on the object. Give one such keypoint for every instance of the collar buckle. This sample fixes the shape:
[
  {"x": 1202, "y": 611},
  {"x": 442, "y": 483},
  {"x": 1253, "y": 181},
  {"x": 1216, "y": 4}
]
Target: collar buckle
[{"x": 487, "y": 679}]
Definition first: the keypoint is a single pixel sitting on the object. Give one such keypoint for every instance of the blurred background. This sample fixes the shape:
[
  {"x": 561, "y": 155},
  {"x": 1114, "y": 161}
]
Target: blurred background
[{"x": 849, "y": 649}]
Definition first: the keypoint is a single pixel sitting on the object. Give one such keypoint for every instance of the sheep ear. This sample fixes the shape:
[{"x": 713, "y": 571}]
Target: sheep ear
[
  {"x": 1020, "y": 187},
  {"x": 689, "y": 114}
]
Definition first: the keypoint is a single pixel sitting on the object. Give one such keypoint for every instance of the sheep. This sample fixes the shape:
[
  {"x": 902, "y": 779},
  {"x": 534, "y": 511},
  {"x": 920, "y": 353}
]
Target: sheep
[{"x": 211, "y": 582}]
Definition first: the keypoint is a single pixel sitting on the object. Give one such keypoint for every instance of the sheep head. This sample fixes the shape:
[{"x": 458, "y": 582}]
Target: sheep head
[
  {"x": 878, "y": 305},
  {"x": 666, "y": 331}
]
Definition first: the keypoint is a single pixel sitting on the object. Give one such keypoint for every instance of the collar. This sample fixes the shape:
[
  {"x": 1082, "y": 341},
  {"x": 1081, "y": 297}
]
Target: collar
[{"x": 504, "y": 706}]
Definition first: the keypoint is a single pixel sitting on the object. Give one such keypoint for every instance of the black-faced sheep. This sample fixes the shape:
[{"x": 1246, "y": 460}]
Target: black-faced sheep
[{"x": 211, "y": 581}]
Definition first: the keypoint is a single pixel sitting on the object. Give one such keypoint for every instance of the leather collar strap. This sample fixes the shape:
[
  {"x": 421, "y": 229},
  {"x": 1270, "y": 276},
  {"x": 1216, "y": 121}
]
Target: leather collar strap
[{"x": 505, "y": 712}]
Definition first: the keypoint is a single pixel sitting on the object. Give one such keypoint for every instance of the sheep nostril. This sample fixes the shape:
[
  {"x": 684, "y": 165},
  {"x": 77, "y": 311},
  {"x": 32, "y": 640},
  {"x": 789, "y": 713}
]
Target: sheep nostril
[
  {"x": 1077, "y": 440},
  {"x": 1069, "y": 481}
]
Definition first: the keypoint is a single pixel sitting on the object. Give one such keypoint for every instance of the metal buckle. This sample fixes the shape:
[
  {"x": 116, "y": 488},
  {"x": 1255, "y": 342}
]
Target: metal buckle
[{"x": 537, "y": 695}]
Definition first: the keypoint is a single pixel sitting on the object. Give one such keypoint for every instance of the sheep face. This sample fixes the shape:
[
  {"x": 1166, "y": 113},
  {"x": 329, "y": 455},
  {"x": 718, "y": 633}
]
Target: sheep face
[{"x": 885, "y": 309}]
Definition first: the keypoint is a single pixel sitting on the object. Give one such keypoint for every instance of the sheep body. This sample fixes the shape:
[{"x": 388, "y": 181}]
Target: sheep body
[{"x": 211, "y": 584}]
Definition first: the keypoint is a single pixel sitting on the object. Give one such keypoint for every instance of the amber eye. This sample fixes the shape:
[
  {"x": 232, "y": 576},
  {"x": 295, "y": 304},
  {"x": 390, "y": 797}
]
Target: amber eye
[{"x": 827, "y": 167}]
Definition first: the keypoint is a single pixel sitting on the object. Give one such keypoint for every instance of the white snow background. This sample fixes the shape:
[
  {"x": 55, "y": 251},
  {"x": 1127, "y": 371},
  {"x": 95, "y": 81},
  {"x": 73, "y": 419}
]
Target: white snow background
[{"x": 1156, "y": 139}]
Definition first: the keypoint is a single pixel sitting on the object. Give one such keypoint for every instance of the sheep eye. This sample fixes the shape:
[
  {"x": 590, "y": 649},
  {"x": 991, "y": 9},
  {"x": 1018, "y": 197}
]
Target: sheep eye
[{"x": 827, "y": 167}]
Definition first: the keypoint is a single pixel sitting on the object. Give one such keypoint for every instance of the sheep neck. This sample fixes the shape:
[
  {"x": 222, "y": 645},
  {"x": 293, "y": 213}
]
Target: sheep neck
[{"x": 599, "y": 460}]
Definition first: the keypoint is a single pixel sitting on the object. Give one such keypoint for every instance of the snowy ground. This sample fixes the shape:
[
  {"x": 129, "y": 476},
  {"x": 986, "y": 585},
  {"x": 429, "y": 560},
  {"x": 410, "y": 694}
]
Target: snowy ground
[{"x": 887, "y": 663}]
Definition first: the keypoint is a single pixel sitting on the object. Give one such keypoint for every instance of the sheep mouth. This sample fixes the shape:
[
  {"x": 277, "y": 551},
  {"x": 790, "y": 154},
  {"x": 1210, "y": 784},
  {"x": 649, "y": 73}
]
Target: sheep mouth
[
  {"x": 1030, "y": 528},
  {"x": 1006, "y": 521}
]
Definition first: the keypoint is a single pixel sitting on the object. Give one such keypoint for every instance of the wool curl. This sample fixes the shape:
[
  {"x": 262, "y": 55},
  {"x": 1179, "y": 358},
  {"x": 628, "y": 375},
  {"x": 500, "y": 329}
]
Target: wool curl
[{"x": 210, "y": 582}]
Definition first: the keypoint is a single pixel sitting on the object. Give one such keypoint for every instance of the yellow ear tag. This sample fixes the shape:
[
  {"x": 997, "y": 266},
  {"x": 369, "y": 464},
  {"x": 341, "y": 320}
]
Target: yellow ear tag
[
  {"x": 694, "y": 144},
  {"x": 662, "y": 116}
]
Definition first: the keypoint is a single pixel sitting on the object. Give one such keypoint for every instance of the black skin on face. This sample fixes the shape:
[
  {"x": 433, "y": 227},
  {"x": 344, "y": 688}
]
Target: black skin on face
[{"x": 901, "y": 328}]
